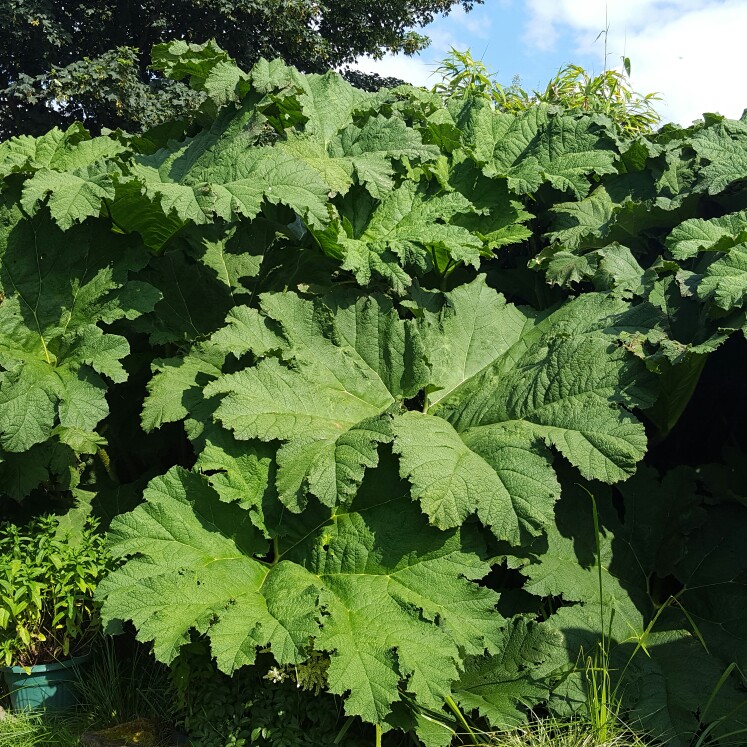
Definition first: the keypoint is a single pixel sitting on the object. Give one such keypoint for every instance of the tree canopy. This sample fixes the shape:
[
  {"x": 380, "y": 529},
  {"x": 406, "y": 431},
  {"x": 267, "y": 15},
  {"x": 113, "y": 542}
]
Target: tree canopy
[{"x": 62, "y": 61}]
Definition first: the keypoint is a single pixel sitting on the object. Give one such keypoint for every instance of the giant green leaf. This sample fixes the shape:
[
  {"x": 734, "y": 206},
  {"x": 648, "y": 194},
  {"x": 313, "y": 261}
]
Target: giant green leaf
[
  {"x": 56, "y": 151},
  {"x": 350, "y": 365},
  {"x": 399, "y": 607},
  {"x": 407, "y": 224},
  {"x": 233, "y": 184},
  {"x": 539, "y": 146},
  {"x": 505, "y": 479},
  {"x": 723, "y": 147},
  {"x": 343, "y": 152},
  {"x": 191, "y": 567},
  {"x": 206, "y": 66},
  {"x": 555, "y": 382},
  {"x": 697, "y": 235},
  {"x": 474, "y": 328},
  {"x": 218, "y": 174},
  {"x": 177, "y": 382},
  {"x": 330, "y": 405},
  {"x": 565, "y": 560},
  {"x": 726, "y": 279}
]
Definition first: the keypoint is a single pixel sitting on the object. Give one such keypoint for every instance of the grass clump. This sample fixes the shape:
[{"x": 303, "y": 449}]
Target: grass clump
[
  {"x": 122, "y": 686},
  {"x": 33, "y": 729},
  {"x": 554, "y": 733}
]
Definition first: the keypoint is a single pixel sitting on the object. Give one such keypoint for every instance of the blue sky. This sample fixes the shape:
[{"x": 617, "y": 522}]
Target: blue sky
[
  {"x": 494, "y": 32},
  {"x": 691, "y": 51}
]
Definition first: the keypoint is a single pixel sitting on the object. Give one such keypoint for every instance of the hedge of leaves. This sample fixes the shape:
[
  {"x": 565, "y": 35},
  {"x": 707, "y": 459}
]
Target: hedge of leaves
[{"x": 357, "y": 361}]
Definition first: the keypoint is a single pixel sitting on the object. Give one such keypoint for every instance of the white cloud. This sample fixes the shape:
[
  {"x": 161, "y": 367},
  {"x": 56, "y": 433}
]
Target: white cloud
[
  {"x": 589, "y": 17},
  {"x": 411, "y": 69},
  {"x": 689, "y": 50},
  {"x": 459, "y": 30},
  {"x": 476, "y": 22},
  {"x": 696, "y": 61},
  {"x": 443, "y": 36}
]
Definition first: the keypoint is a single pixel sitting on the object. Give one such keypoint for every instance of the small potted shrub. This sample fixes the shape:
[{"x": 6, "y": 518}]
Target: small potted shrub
[{"x": 48, "y": 617}]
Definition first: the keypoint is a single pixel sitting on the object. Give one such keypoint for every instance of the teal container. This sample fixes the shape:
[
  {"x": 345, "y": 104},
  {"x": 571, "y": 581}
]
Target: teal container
[{"x": 46, "y": 686}]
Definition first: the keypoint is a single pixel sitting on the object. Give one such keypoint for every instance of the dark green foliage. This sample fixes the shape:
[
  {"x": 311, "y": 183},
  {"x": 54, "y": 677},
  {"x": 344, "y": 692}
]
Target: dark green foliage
[
  {"x": 87, "y": 60},
  {"x": 108, "y": 90},
  {"x": 251, "y": 710}
]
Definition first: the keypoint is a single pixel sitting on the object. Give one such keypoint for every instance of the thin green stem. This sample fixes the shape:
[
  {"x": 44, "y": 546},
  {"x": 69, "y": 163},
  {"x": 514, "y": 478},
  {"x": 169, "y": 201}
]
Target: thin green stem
[
  {"x": 445, "y": 275},
  {"x": 602, "y": 693},
  {"x": 348, "y": 722},
  {"x": 719, "y": 685},
  {"x": 378, "y": 735},
  {"x": 640, "y": 643},
  {"x": 46, "y": 350},
  {"x": 454, "y": 708}
]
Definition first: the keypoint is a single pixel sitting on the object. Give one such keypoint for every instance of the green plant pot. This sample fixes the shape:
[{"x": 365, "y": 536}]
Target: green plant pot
[{"x": 45, "y": 686}]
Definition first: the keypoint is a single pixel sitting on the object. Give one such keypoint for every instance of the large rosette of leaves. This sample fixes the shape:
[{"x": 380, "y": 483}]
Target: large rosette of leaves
[{"x": 333, "y": 381}]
